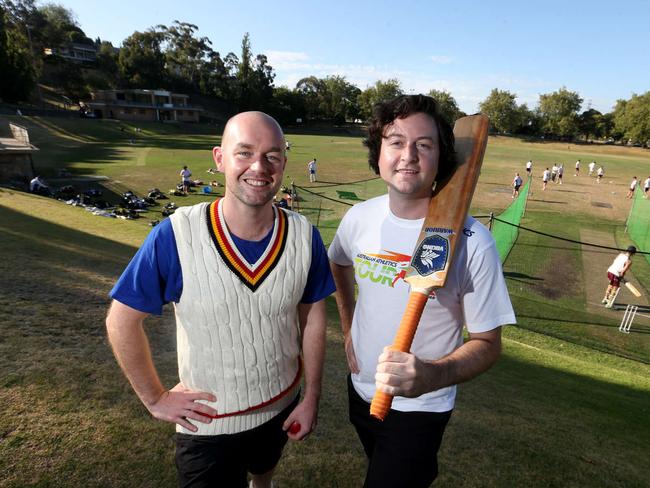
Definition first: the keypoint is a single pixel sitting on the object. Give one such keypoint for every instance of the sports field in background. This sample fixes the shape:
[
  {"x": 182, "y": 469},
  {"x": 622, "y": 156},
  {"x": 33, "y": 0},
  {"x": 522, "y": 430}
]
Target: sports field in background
[{"x": 567, "y": 405}]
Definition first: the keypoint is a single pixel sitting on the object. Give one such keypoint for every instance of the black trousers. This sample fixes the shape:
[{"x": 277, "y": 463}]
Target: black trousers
[
  {"x": 403, "y": 449},
  {"x": 204, "y": 461}
]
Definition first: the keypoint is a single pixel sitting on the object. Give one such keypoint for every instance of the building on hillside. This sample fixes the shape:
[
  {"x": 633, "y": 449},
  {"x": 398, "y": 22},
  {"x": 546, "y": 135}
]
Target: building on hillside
[
  {"x": 143, "y": 105},
  {"x": 16, "y": 163},
  {"x": 75, "y": 52}
]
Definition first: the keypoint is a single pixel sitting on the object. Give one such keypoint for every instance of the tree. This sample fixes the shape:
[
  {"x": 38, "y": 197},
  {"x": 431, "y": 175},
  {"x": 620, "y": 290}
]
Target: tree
[
  {"x": 254, "y": 78},
  {"x": 446, "y": 105},
  {"x": 141, "y": 62},
  {"x": 381, "y": 92},
  {"x": 216, "y": 78},
  {"x": 591, "y": 123},
  {"x": 61, "y": 27},
  {"x": 559, "y": 112},
  {"x": 310, "y": 89},
  {"x": 339, "y": 99},
  {"x": 530, "y": 123},
  {"x": 632, "y": 118},
  {"x": 186, "y": 56},
  {"x": 501, "y": 108},
  {"x": 18, "y": 77},
  {"x": 331, "y": 98},
  {"x": 107, "y": 60},
  {"x": 287, "y": 105}
]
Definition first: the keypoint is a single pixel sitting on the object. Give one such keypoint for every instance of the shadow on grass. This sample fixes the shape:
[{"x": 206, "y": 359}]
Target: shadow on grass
[{"x": 526, "y": 400}]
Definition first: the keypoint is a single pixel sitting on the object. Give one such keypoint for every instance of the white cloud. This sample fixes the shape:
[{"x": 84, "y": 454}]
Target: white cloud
[
  {"x": 441, "y": 59},
  {"x": 281, "y": 58}
]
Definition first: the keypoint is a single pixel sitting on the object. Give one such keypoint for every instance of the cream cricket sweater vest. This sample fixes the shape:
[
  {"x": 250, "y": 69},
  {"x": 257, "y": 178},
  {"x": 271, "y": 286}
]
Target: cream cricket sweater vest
[{"x": 238, "y": 333}]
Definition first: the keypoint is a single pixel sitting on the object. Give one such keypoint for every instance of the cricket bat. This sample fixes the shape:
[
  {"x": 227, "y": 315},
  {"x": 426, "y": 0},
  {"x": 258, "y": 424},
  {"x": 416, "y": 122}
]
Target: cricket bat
[
  {"x": 434, "y": 250},
  {"x": 633, "y": 289}
]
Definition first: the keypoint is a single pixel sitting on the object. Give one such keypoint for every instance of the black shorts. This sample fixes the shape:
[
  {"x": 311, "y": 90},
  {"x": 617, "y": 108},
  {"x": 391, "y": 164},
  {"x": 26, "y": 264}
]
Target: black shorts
[
  {"x": 517, "y": 187},
  {"x": 403, "y": 449},
  {"x": 224, "y": 460}
]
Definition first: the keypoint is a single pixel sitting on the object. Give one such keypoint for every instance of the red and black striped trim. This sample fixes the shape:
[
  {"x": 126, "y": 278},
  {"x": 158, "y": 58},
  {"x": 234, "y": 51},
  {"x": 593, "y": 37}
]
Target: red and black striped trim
[
  {"x": 250, "y": 276},
  {"x": 274, "y": 399}
]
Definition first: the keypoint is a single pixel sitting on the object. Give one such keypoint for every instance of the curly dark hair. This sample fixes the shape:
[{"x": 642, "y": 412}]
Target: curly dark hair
[{"x": 384, "y": 113}]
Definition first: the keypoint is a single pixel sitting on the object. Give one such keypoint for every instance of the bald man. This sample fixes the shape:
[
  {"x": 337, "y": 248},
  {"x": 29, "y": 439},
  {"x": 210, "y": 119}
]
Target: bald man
[{"x": 247, "y": 281}]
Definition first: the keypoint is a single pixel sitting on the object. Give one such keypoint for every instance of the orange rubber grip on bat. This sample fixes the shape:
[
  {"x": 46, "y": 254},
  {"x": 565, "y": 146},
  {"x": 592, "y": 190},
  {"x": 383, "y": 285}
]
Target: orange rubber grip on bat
[{"x": 381, "y": 402}]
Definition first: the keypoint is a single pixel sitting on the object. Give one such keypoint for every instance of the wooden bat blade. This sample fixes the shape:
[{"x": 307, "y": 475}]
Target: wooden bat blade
[
  {"x": 436, "y": 243},
  {"x": 633, "y": 289},
  {"x": 449, "y": 206}
]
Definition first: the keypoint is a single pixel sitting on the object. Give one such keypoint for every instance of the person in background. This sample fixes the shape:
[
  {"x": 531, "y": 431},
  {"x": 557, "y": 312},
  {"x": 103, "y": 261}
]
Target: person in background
[
  {"x": 633, "y": 184},
  {"x": 185, "y": 179},
  {"x": 516, "y": 184},
  {"x": 615, "y": 274},
  {"x": 311, "y": 167}
]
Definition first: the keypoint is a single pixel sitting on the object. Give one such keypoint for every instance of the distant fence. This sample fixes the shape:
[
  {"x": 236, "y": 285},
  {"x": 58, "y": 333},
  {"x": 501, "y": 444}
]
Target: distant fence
[
  {"x": 505, "y": 226},
  {"x": 638, "y": 222}
]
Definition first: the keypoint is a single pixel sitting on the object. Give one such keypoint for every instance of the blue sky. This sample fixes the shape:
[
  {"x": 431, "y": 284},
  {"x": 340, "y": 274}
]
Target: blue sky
[{"x": 598, "y": 49}]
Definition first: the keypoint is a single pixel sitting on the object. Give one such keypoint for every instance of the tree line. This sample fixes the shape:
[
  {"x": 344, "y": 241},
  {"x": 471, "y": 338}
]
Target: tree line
[{"x": 176, "y": 58}]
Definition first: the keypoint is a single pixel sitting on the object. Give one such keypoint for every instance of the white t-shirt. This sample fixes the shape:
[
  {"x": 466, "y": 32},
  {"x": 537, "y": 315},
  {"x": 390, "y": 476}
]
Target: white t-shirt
[
  {"x": 618, "y": 265},
  {"x": 577, "y": 164},
  {"x": 601, "y": 171},
  {"x": 311, "y": 166},
  {"x": 592, "y": 165},
  {"x": 546, "y": 175},
  {"x": 633, "y": 184},
  {"x": 646, "y": 183},
  {"x": 529, "y": 164},
  {"x": 379, "y": 245}
]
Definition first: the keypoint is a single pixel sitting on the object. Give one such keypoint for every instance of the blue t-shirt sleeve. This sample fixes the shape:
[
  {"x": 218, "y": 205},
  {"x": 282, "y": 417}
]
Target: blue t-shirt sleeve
[
  {"x": 320, "y": 283},
  {"x": 153, "y": 277}
]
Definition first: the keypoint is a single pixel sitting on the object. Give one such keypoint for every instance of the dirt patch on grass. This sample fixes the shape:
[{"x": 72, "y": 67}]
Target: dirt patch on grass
[{"x": 557, "y": 277}]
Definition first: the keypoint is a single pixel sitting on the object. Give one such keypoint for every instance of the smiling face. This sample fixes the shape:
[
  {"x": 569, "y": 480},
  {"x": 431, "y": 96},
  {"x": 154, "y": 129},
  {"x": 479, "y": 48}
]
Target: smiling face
[
  {"x": 252, "y": 158},
  {"x": 409, "y": 156}
]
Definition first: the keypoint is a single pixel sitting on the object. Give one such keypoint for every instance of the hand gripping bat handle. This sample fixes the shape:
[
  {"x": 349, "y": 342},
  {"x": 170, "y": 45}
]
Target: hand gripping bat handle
[{"x": 381, "y": 402}]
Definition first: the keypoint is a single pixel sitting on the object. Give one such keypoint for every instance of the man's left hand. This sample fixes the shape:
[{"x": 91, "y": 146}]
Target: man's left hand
[{"x": 305, "y": 415}]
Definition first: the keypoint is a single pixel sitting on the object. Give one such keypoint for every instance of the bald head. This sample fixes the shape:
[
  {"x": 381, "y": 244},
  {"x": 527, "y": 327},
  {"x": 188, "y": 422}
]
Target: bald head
[
  {"x": 252, "y": 158},
  {"x": 247, "y": 121}
]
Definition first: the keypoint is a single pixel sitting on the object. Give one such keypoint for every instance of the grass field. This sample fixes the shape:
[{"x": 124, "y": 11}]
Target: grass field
[{"x": 567, "y": 405}]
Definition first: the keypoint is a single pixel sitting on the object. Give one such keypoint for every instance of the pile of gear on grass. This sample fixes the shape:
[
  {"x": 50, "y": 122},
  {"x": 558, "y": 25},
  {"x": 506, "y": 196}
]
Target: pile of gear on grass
[{"x": 129, "y": 207}]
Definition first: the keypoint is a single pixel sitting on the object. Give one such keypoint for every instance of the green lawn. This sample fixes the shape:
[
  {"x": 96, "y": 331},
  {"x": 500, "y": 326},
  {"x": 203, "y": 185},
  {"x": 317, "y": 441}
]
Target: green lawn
[{"x": 567, "y": 405}]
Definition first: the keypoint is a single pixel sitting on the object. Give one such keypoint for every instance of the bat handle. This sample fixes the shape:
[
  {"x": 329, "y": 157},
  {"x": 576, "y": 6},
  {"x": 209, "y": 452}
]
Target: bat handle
[{"x": 381, "y": 402}]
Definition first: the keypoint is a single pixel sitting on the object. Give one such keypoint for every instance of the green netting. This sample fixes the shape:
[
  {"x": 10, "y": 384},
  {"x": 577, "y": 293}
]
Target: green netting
[
  {"x": 638, "y": 223},
  {"x": 505, "y": 235}
]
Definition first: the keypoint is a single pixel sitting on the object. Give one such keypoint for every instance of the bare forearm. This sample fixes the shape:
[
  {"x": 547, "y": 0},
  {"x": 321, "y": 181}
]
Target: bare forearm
[
  {"x": 400, "y": 373},
  {"x": 344, "y": 280},
  {"x": 474, "y": 357},
  {"x": 313, "y": 325},
  {"x": 131, "y": 348}
]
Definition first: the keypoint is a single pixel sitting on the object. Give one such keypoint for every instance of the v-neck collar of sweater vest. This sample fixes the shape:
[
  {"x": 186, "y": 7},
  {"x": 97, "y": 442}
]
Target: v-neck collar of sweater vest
[{"x": 252, "y": 275}]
